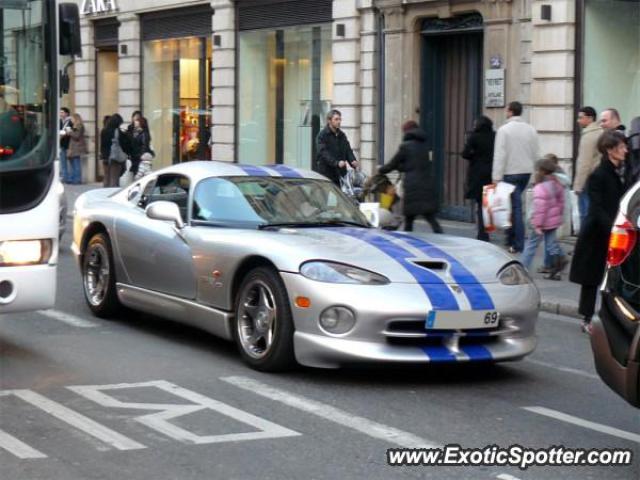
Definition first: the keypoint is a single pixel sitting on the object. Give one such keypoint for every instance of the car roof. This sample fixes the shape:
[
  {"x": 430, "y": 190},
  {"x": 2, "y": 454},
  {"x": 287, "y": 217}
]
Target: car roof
[{"x": 200, "y": 169}]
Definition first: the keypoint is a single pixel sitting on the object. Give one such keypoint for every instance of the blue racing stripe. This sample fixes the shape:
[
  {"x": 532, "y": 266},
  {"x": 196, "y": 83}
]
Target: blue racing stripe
[
  {"x": 254, "y": 171},
  {"x": 436, "y": 290},
  {"x": 477, "y": 352},
  {"x": 439, "y": 354},
  {"x": 285, "y": 171},
  {"x": 476, "y": 293}
]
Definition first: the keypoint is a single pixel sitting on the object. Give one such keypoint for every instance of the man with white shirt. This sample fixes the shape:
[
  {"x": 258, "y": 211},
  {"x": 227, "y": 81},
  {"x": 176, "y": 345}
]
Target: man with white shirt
[{"x": 515, "y": 153}]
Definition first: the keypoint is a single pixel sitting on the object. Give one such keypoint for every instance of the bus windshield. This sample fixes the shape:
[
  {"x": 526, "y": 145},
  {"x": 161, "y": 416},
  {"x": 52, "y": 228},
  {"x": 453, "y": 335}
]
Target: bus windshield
[{"x": 25, "y": 109}]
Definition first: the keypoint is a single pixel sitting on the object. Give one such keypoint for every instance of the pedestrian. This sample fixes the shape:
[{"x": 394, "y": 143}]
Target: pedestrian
[
  {"x": 112, "y": 139},
  {"x": 610, "y": 120},
  {"x": 77, "y": 149},
  {"x": 333, "y": 149},
  {"x": 478, "y": 150},
  {"x": 420, "y": 194},
  {"x": 65, "y": 127},
  {"x": 546, "y": 216},
  {"x": 588, "y": 156},
  {"x": 515, "y": 154},
  {"x": 605, "y": 187},
  {"x": 633, "y": 160},
  {"x": 138, "y": 131}
]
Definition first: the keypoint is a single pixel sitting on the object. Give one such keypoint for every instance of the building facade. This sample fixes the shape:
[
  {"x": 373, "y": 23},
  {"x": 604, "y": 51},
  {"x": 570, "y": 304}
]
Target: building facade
[{"x": 252, "y": 80}]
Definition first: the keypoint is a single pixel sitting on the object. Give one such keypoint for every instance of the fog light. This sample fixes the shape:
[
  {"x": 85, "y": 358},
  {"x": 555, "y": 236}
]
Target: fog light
[{"x": 337, "y": 320}]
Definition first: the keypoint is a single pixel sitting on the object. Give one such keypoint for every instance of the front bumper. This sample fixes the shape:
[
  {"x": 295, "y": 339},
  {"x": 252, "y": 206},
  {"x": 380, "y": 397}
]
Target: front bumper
[
  {"x": 32, "y": 288},
  {"x": 390, "y": 325}
]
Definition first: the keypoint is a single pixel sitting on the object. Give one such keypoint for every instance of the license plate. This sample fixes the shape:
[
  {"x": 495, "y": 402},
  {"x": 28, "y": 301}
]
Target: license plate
[{"x": 456, "y": 320}]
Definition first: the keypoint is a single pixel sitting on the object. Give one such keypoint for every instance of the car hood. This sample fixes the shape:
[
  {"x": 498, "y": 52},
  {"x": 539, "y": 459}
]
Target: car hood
[{"x": 402, "y": 258}]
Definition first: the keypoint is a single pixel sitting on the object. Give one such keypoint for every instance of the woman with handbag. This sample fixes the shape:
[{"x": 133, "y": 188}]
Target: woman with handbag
[{"x": 115, "y": 148}]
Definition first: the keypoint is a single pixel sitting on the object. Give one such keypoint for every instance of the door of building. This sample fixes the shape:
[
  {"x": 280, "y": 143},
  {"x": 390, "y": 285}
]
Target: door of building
[{"x": 451, "y": 86}]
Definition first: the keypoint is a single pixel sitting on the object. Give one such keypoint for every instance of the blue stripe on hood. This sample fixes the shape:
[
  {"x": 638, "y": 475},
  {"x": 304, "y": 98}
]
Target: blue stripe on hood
[
  {"x": 436, "y": 290},
  {"x": 476, "y": 293}
]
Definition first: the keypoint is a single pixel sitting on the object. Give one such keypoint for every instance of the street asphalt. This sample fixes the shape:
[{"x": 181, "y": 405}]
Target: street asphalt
[{"x": 223, "y": 420}]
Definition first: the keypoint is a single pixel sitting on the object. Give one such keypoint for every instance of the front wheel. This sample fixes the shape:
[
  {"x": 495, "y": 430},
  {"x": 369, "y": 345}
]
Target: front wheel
[
  {"x": 264, "y": 324},
  {"x": 98, "y": 277}
]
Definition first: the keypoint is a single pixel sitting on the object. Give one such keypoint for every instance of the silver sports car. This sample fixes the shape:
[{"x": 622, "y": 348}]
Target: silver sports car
[{"x": 280, "y": 261}]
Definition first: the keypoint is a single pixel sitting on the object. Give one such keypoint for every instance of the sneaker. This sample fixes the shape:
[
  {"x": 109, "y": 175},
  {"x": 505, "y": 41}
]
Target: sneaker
[
  {"x": 586, "y": 327},
  {"x": 514, "y": 250},
  {"x": 544, "y": 270}
]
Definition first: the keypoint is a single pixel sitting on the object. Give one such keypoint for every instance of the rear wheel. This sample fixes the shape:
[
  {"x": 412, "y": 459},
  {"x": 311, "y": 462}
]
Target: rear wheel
[
  {"x": 264, "y": 324},
  {"x": 98, "y": 277}
]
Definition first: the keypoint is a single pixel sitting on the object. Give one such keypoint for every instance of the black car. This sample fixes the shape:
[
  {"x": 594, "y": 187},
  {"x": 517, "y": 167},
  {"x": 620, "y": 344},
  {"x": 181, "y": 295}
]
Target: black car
[{"x": 615, "y": 338}]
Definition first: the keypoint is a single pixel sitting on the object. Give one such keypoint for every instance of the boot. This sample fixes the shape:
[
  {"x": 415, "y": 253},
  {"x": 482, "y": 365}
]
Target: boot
[{"x": 558, "y": 264}]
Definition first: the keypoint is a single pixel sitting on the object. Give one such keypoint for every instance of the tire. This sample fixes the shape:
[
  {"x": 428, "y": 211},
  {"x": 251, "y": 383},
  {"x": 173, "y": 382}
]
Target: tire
[
  {"x": 98, "y": 277},
  {"x": 263, "y": 327}
]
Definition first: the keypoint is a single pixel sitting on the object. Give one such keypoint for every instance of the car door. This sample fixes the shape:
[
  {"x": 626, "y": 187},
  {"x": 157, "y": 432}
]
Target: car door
[{"x": 155, "y": 254}]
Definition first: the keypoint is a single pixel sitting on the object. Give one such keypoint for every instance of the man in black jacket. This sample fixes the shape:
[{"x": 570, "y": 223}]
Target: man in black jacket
[{"x": 333, "y": 149}]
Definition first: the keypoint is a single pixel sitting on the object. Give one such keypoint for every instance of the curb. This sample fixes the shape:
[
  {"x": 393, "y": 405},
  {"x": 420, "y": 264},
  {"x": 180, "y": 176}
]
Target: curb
[{"x": 557, "y": 308}]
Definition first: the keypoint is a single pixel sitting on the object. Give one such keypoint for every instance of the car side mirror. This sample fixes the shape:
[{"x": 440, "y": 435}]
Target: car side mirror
[{"x": 166, "y": 211}]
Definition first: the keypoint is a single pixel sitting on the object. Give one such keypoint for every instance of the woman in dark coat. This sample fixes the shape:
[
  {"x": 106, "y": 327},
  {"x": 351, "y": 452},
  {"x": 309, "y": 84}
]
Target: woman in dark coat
[
  {"x": 479, "y": 151},
  {"x": 605, "y": 187},
  {"x": 420, "y": 194},
  {"x": 138, "y": 132},
  {"x": 112, "y": 170}
]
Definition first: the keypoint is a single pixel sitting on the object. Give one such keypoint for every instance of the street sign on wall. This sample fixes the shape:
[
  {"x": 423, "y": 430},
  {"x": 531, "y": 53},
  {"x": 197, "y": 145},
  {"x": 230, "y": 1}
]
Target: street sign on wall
[{"x": 494, "y": 87}]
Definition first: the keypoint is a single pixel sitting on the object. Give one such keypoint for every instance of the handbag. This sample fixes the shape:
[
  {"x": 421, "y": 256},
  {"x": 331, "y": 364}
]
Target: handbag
[{"x": 116, "y": 154}]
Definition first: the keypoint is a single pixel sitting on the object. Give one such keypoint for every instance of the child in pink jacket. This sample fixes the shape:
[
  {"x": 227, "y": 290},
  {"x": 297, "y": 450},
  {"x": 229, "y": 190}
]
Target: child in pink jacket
[{"x": 546, "y": 217}]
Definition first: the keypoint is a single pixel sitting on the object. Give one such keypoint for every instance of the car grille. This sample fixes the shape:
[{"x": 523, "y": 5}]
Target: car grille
[{"x": 413, "y": 333}]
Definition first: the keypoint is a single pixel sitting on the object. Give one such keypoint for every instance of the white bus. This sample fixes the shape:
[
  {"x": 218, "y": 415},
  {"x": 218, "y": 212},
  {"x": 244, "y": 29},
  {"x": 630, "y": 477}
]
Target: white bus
[{"x": 32, "y": 33}]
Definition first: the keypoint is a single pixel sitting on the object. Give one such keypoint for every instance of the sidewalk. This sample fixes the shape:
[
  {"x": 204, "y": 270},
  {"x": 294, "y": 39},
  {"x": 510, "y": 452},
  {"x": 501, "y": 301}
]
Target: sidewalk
[{"x": 558, "y": 297}]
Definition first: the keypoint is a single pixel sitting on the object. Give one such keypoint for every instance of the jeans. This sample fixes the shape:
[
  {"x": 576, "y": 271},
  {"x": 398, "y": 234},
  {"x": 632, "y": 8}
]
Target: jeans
[
  {"x": 583, "y": 206},
  {"x": 551, "y": 246},
  {"x": 76, "y": 173},
  {"x": 64, "y": 173},
  {"x": 515, "y": 235}
]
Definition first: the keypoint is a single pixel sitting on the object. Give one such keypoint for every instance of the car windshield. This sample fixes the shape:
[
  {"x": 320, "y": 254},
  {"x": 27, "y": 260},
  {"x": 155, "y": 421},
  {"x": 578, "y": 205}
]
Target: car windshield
[
  {"x": 24, "y": 106},
  {"x": 276, "y": 201}
]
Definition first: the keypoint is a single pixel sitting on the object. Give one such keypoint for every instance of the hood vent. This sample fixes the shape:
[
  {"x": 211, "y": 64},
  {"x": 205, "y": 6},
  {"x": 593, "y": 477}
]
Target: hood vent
[{"x": 431, "y": 265}]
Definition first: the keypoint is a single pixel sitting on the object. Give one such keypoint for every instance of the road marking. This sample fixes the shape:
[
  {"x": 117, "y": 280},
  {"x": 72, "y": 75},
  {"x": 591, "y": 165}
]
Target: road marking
[
  {"x": 75, "y": 419},
  {"x": 18, "y": 448},
  {"x": 341, "y": 417},
  {"x": 506, "y": 476},
  {"x": 160, "y": 421},
  {"x": 68, "y": 318},
  {"x": 573, "y": 371},
  {"x": 598, "y": 427}
]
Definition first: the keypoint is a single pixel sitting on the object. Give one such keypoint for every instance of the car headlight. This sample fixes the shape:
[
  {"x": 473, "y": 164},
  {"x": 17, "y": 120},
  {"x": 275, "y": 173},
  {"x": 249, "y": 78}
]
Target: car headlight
[
  {"x": 514, "y": 274},
  {"x": 331, "y": 272},
  {"x": 25, "y": 252}
]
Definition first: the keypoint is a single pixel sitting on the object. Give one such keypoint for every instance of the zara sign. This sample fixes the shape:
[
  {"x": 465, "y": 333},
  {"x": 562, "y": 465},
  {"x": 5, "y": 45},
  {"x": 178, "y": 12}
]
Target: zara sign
[{"x": 94, "y": 7}]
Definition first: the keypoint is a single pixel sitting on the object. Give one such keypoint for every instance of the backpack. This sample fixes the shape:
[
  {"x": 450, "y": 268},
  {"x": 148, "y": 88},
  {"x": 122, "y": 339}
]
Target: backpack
[{"x": 116, "y": 154}]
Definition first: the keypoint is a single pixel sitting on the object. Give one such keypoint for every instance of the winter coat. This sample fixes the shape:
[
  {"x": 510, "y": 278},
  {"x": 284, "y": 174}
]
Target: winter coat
[
  {"x": 420, "y": 194},
  {"x": 140, "y": 144},
  {"x": 548, "y": 204},
  {"x": 331, "y": 149},
  {"x": 588, "y": 155},
  {"x": 479, "y": 151},
  {"x": 605, "y": 189},
  {"x": 77, "y": 142},
  {"x": 516, "y": 149}
]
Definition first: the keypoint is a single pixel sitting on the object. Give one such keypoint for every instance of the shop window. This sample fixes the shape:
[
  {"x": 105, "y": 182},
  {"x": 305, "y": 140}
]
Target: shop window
[
  {"x": 285, "y": 91},
  {"x": 177, "y": 98}
]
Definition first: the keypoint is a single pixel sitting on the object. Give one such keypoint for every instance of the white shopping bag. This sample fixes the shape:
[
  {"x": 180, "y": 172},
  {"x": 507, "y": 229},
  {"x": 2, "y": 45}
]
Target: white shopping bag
[
  {"x": 496, "y": 206},
  {"x": 371, "y": 210},
  {"x": 575, "y": 212}
]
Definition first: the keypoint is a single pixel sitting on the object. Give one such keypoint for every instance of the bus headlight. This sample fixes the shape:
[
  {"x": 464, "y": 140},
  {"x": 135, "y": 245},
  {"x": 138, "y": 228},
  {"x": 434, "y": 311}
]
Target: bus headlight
[{"x": 25, "y": 252}]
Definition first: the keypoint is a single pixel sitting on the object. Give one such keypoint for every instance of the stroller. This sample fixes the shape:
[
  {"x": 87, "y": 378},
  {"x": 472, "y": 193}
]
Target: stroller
[
  {"x": 352, "y": 184},
  {"x": 381, "y": 190}
]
